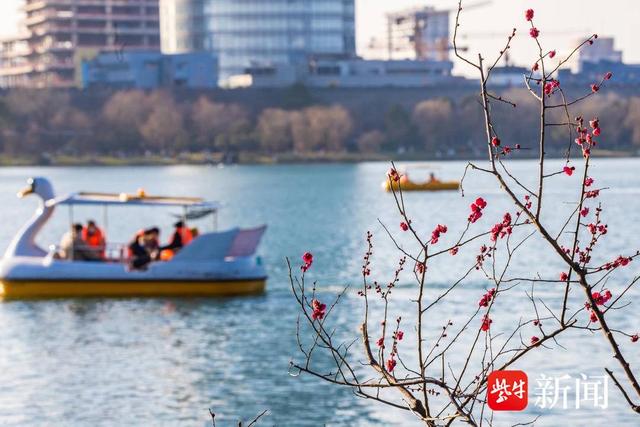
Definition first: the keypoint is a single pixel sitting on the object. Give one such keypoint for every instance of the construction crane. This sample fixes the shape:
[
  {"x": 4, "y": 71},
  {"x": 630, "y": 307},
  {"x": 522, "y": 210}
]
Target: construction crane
[
  {"x": 423, "y": 33},
  {"x": 420, "y": 32},
  {"x": 497, "y": 35}
]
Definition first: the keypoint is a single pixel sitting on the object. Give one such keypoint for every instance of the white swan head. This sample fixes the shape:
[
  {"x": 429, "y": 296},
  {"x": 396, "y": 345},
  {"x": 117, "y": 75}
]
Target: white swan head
[
  {"x": 24, "y": 244},
  {"x": 39, "y": 186}
]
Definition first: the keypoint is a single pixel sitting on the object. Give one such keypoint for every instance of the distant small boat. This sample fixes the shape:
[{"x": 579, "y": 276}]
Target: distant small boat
[
  {"x": 213, "y": 264},
  {"x": 408, "y": 185}
]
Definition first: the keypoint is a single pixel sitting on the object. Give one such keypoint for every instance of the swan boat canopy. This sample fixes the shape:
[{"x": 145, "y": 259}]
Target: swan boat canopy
[{"x": 213, "y": 264}]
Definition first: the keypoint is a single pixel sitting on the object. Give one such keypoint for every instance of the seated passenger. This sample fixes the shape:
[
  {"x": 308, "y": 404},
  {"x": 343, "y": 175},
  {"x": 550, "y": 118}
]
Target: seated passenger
[
  {"x": 73, "y": 247},
  {"x": 181, "y": 236},
  {"x": 152, "y": 243},
  {"x": 94, "y": 238},
  {"x": 141, "y": 249},
  {"x": 432, "y": 178}
]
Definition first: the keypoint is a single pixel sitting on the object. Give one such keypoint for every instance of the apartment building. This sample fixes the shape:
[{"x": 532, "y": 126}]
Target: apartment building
[{"x": 58, "y": 34}]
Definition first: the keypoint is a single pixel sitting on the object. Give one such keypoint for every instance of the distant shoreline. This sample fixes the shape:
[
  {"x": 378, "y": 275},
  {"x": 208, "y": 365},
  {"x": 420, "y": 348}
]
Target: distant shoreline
[{"x": 195, "y": 159}]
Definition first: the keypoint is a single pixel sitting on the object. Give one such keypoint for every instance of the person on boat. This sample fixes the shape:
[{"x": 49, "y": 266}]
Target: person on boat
[
  {"x": 152, "y": 243},
  {"x": 182, "y": 236},
  {"x": 404, "y": 178},
  {"x": 74, "y": 248},
  {"x": 433, "y": 179},
  {"x": 195, "y": 232},
  {"x": 94, "y": 238},
  {"x": 143, "y": 248}
]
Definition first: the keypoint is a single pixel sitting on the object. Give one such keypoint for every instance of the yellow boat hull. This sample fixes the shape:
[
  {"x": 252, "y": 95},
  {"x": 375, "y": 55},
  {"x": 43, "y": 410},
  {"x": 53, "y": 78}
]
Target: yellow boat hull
[
  {"x": 25, "y": 289},
  {"x": 425, "y": 186}
]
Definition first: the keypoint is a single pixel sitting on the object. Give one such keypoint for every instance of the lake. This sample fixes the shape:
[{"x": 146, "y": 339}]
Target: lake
[{"x": 165, "y": 361}]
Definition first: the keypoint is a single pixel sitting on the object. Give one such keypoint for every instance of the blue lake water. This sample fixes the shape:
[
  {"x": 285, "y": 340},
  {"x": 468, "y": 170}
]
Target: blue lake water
[{"x": 166, "y": 361}]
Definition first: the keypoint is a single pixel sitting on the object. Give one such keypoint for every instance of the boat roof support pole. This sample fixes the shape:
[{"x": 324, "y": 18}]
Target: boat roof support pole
[
  {"x": 71, "y": 222},
  {"x": 105, "y": 219}
]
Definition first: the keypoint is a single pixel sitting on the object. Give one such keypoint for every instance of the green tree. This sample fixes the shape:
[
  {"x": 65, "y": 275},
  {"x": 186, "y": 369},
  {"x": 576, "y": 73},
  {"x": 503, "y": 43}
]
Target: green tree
[{"x": 399, "y": 129}]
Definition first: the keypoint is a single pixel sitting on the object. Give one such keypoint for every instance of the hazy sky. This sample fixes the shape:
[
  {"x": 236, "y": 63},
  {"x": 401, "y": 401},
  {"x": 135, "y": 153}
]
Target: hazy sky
[{"x": 561, "y": 23}]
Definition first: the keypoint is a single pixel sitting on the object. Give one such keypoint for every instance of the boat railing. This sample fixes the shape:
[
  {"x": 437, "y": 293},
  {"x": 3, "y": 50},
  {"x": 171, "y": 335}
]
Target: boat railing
[{"x": 112, "y": 252}]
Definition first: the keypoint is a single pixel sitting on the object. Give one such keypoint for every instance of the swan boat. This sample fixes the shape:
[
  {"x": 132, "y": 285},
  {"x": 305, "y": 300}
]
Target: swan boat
[{"x": 213, "y": 264}]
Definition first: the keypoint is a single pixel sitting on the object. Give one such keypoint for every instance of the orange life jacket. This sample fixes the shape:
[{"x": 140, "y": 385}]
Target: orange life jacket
[
  {"x": 94, "y": 240},
  {"x": 186, "y": 235}
]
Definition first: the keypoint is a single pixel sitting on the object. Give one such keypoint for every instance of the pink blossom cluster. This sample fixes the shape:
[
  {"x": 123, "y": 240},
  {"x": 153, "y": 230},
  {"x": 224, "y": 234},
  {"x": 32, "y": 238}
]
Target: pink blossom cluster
[
  {"x": 486, "y": 323},
  {"x": 601, "y": 298},
  {"x": 318, "y": 308},
  {"x": 435, "y": 234},
  {"x": 307, "y": 258},
  {"x": 585, "y": 138},
  {"x": 476, "y": 209},
  {"x": 618, "y": 262},
  {"x": 487, "y": 297},
  {"x": 501, "y": 229}
]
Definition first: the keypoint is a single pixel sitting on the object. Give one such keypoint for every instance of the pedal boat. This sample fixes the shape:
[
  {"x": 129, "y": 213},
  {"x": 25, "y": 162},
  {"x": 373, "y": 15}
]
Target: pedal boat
[
  {"x": 213, "y": 264},
  {"x": 409, "y": 185}
]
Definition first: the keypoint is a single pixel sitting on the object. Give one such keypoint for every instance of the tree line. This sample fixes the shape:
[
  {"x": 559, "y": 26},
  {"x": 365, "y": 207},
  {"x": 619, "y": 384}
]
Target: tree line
[{"x": 135, "y": 122}]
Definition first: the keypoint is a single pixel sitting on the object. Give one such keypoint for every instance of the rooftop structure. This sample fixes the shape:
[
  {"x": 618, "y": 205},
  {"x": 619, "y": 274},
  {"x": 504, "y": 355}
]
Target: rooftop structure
[
  {"x": 150, "y": 70},
  {"x": 351, "y": 73},
  {"x": 593, "y": 72}
]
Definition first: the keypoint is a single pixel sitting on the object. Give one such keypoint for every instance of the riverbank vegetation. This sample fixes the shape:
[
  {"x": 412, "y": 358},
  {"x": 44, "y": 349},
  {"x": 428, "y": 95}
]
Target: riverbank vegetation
[{"x": 158, "y": 127}]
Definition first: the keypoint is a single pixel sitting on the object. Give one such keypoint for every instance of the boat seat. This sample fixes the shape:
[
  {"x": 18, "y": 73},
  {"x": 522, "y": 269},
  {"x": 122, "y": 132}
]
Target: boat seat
[{"x": 208, "y": 246}]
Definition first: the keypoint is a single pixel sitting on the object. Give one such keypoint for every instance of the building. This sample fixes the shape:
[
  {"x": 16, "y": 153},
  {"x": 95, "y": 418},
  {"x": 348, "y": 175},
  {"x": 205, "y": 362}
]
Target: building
[
  {"x": 510, "y": 75},
  {"x": 598, "y": 59},
  {"x": 15, "y": 64},
  {"x": 350, "y": 73},
  {"x": 418, "y": 33},
  {"x": 150, "y": 70},
  {"x": 602, "y": 49},
  {"x": 58, "y": 32},
  {"x": 593, "y": 72},
  {"x": 259, "y": 33},
  {"x": 183, "y": 26}
]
